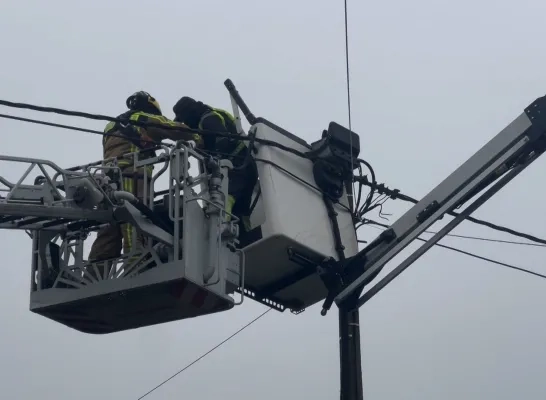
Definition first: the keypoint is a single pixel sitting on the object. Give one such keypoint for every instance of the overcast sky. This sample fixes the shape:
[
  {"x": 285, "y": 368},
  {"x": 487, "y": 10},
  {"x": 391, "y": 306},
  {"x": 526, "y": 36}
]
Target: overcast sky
[{"x": 432, "y": 81}]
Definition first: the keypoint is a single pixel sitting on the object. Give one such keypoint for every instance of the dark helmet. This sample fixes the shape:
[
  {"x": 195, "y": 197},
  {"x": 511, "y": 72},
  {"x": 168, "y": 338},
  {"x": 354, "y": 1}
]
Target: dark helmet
[
  {"x": 143, "y": 101},
  {"x": 189, "y": 111}
]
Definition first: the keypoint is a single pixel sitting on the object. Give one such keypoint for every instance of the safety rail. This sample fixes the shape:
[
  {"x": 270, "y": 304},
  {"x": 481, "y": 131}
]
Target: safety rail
[
  {"x": 49, "y": 203},
  {"x": 64, "y": 248},
  {"x": 42, "y": 204}
]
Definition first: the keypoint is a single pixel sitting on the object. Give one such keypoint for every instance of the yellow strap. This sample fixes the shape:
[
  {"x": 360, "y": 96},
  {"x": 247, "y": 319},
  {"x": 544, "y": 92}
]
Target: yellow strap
[
  {"x": 239, "y": 148},
  {"x": 125, "y": 162},
  {"x": 229, "y": 206},
  {"x": 128, "y": 187},
  {"x": 246, "y": 223},
  {"x": 215, "y": 111},
  {"x": 212, "y": 112},
  {"x": 221, "y": 112}
]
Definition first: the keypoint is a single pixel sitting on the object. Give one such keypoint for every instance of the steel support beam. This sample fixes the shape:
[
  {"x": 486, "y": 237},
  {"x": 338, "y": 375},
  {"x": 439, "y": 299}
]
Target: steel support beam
[{"x": 494, "y": 165}]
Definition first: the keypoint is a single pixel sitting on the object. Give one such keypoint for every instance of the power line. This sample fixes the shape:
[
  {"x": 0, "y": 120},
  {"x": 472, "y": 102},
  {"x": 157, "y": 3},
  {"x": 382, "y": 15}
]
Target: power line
[
  {"x": 492, "y": 240},
  {"x": 348, "y": 79},
  {"x": 381, "y": 188},
  {"x": 145, "y": 124},
  {"x": 480, "y": 238},
  {"x": 396, "y": 194},
  {"x": 202, "y": 151},
  {"x": 503, "y": 264},
  {"x": 269, "y": 309},
  {"x": 206, "y": 354},
  {"x": 347, "y": 65},
  {"x": 303, "y": 181},
  {"x": 72, "y": 128},
  {"x": 501, "y": 228},
  {"x": 488, "y": 259}
]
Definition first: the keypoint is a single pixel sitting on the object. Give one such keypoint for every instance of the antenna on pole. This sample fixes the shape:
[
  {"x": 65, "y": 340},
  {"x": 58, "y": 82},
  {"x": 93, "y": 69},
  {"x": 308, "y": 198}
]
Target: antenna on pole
[{"x": 349, "y": 319}]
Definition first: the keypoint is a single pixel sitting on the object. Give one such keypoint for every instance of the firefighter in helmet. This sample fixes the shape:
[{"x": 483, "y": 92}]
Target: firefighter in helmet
[
  {"x": 243, "y": 177},
  {"x": 121, "y": 139}
]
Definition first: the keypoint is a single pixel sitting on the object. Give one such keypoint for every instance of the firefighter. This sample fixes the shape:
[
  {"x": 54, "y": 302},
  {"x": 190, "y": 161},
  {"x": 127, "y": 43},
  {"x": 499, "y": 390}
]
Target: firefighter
[
  {"x": 132, "y": 139},
  {"x": 243, "y": 177}
]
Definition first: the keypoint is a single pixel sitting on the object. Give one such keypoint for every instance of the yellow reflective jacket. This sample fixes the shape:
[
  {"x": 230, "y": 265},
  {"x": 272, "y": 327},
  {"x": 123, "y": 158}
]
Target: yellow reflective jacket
[
  {"x": 119, "y": 140},
  {"x": 221, "y": 121}
]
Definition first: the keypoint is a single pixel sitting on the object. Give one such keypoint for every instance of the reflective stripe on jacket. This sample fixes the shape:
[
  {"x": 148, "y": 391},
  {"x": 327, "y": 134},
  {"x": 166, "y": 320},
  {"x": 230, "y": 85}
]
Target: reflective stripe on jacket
[
  {"x": 131, "y": 138},
  {"x": 222, "y": 145}
]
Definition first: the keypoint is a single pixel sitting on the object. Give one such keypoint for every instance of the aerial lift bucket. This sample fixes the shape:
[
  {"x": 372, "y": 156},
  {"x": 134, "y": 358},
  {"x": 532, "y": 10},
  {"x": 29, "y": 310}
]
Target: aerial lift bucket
[
  {"x": 292, "y": 232},
  {"x": 161, "y": 294},
  {"x": 188, "y": 267}
]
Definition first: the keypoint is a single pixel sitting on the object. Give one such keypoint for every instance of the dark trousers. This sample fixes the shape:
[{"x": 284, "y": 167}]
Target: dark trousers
[
  {"x": 241, "y": 186},
  {"x": 110, "y": 239}
]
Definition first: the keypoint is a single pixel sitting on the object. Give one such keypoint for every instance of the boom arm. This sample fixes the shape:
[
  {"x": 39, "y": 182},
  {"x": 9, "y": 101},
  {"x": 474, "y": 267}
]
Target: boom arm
[{"x": 494, "y": 165}]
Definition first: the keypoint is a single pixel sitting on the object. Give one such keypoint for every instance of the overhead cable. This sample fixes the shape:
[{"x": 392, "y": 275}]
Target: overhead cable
[
  {"x": 348, "y": 80},
  {"x": 202, "y": 151},
  {"x": 396, "y": 194},
  {"x": 205, "y": 354},
  {"x": 145, "y": 124},
  {"x": 100, "y": 117},
  {"x": 491, "y": 240},
  {"x": 503, "y": 264},
  {"x": 71, "y": 127},
  {"x": 312, "y": 186},
  {"x": 477, "y": 238},
  {"x": 96, "y": 132}
]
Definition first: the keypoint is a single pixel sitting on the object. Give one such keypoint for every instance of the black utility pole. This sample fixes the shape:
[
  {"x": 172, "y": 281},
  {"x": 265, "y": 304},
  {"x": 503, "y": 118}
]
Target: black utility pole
[
  {"x": 349, "y": 350},
  {"x": 350, "y": 360}
]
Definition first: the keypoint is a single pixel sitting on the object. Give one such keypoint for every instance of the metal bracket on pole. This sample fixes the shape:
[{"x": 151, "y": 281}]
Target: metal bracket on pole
[{"x": 493, "y": 166}]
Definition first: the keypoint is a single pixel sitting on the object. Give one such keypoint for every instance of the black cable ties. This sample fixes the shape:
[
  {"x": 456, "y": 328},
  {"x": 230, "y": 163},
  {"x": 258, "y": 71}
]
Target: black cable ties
[{"x": 332, "y": 214}]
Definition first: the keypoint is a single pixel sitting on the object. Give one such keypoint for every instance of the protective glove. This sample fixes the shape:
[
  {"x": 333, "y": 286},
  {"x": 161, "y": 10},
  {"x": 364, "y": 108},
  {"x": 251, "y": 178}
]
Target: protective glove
[{"x": 198, "y": 140}]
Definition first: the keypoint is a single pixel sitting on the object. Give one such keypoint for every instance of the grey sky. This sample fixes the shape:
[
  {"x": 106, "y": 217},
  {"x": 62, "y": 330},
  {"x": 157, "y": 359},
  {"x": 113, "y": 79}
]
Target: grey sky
[{"x": 432, "y": 81}]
